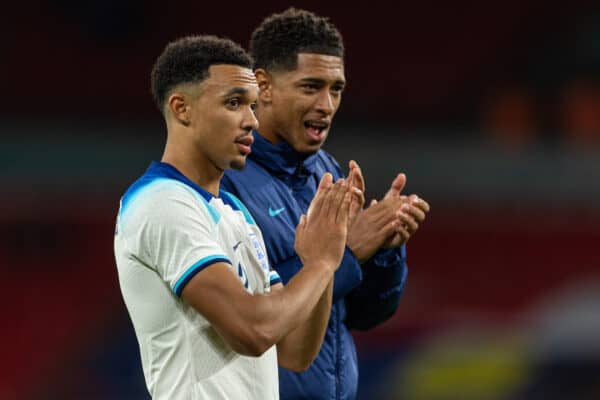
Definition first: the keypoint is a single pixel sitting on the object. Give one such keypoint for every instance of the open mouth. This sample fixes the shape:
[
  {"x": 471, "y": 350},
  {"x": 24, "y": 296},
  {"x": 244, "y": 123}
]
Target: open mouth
[{"x": 315, "y": 129}]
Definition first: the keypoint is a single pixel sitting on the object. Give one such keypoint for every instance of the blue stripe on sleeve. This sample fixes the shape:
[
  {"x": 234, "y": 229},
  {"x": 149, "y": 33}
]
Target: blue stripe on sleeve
[
  {"x": 236, "y": 204},
  {"x": 197, "y": 267},
  {"x": 274, "y": 278}
]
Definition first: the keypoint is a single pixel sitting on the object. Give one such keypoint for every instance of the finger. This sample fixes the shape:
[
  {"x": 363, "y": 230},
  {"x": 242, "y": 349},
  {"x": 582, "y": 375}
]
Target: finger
[
  {"x": 403, "y": 234},
  {"x": 343, "y": 213},
  {"x": 408, "y": 223},
  {"x": 386, "y": 210},
  {"x": 357, "y": 202},
  {"x": 358, "y": 194},
  {"x": 331, "y": 201},
  {"x": 397, "y": 185},
  {"x": 339, "y": 197},
  {"x": 317, "y": 202},
  {"x": 358, "y": 178},
  {"x": 350, "y": 177},
  {"x": 389, "y": 229},
  {"x": 414, "y": 211},
  {"x": 301, "y": 223},
  {"x": 422, "y": 204},
  {"x": 326, "y": 180},
  {"x": 300, "y": 228}
]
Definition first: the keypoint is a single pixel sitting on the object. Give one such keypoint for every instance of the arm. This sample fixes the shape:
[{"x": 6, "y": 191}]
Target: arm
[
  {"x": 300, "y": 347},
  {"x": 378, "y": 296},
  {"x": 251, "y": 324}
]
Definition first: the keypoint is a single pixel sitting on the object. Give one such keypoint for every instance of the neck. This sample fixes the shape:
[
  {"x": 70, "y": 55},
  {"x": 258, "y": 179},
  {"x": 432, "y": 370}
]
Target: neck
[
  {"x": 266, "y": 125},
  {"x": 193, "y": 164}
]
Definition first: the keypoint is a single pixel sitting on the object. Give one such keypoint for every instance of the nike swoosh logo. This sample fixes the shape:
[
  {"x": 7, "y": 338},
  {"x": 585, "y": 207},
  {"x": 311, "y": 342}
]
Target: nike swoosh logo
[
  {"x": 237, "y": 245},
  {"x": 273, "y": 213}
]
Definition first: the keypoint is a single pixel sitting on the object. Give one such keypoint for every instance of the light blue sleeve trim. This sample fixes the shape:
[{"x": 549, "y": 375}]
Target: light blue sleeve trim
[
  {"x": 197, "y": 267},
  {"x": 240, "y": 206},
  {"x": 141, "y": 187},
  {"x": 274, "y": 278},
  {"x": 211, "y": 210}
]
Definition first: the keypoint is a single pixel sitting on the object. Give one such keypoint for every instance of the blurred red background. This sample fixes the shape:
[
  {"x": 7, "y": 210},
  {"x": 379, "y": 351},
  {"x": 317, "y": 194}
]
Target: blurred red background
[{"x": 491, "y": 110}]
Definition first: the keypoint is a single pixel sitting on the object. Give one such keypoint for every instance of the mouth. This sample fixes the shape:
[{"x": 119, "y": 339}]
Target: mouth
[
  {"x": 244, "y": 144},
  {"x": 316, "y": 129}
]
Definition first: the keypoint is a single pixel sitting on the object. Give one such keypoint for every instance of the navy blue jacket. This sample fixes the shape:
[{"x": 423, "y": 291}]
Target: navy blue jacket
[{"x": 277, "y": 187}]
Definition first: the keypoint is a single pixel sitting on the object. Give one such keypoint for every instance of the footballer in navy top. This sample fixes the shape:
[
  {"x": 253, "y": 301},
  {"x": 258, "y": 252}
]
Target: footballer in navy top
[{"x": 277, "y": 186}]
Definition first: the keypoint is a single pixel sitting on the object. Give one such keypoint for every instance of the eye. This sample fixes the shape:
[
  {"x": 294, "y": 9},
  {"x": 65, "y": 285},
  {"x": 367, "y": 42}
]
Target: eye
[
  {"x": 253, "y": 106},
  {"x": 234, "y": 102},
  {"x": 337, "y": 89},
  {"x": 311, "y": 87}
]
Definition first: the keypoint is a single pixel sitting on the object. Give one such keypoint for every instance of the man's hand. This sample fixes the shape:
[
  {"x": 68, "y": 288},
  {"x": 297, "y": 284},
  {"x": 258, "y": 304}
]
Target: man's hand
[
  {"x": 373, "y": 226},
  {"x": 412, "y": 214},
  {"x": 386, "y": 224},
  {"x": 322, "y": 232}
]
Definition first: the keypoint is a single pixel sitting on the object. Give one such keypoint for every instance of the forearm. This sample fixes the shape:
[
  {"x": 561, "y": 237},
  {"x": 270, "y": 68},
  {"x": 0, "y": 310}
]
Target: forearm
[
  {"x": 272, "y": 317},
  {"x": 297, "y": 350},
  {"x": 251, "y": 324},
  {"x": 378, "y": 296},
  {"x": 347, "y": 277}
]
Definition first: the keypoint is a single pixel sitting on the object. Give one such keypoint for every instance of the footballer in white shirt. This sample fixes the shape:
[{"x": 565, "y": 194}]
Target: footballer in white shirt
[{"x": 211, "y": 318}]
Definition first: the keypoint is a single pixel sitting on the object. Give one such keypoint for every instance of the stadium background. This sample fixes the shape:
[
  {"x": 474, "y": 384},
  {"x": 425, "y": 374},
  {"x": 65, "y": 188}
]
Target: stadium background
[{"x": 491, "y": 108}]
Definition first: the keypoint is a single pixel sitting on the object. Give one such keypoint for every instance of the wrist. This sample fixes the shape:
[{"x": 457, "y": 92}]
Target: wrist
[
  {"x": 319, "y": 265},
  {"x": 359, "y": 252}
]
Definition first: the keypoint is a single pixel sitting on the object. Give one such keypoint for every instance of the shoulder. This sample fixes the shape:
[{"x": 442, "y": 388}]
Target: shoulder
[{"x": 161, "y": 200}]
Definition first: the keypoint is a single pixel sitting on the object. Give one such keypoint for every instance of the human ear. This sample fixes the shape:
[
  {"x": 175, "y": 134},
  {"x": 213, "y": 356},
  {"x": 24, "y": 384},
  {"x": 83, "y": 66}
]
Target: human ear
[
  {"x": 178, "y": 105},
  {"x": 265, "y": 86}
]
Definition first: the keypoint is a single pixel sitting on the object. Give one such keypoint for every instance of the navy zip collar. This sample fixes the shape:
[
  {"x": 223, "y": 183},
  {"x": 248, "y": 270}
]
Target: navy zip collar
[{"x": 281, "y": 158}]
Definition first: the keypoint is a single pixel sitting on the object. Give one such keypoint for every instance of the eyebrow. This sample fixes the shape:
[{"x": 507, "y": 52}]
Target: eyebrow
[
  {"x": 322, "y": 81},
  {"x": 236, "y": 90}
]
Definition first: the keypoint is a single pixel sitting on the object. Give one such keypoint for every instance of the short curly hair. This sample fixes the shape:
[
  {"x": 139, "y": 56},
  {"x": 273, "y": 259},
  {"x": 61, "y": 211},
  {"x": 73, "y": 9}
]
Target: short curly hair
[
  {"x": 277, "y": 41},
  {"x": 188, "y": 59}
]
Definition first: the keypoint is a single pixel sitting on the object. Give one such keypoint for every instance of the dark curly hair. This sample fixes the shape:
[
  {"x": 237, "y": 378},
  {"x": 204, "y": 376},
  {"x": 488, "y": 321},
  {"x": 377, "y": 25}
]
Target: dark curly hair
[
  {"x": 187, "y": 60},
  {"x": 276, "y": 42}
]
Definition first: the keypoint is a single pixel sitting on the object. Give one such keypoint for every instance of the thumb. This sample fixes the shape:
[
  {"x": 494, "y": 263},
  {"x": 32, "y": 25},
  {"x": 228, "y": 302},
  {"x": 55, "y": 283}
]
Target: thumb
[{"x": 397, "y": 186}]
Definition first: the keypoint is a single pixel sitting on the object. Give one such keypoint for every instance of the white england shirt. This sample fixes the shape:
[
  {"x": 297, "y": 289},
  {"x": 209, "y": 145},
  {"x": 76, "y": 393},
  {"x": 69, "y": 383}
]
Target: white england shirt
[{"x": 168, "y": 229}]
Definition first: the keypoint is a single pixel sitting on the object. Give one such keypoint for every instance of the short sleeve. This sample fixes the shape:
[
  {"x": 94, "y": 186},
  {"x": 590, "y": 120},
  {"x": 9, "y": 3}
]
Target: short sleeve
[{"x": 173, "y": 231}]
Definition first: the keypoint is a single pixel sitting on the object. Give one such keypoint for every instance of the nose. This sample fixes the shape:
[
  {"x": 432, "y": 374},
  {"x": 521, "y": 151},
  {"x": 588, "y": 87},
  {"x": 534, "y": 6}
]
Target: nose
[
  {"x": 249, "y": 123},
  {"x": 325, "y": 103}
]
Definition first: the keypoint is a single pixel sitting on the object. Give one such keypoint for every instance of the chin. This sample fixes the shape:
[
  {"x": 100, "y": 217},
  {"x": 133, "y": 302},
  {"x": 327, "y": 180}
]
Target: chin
[
  {"x": 238, "y": 164},
  {"x": 304, "y": 147},
  {"x": 309, "y": 148}
]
